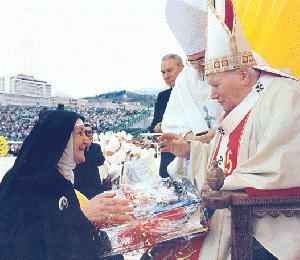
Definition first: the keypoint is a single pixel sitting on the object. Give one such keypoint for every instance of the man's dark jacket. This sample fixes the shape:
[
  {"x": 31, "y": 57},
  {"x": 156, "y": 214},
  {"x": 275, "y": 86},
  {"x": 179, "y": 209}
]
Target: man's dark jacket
[
  {"x": 159, "y": 110},
  {"x": 86, "y": 175}
]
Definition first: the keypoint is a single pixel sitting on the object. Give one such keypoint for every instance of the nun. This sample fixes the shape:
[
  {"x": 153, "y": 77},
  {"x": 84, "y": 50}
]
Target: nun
[{"x": 41, "y": 217}]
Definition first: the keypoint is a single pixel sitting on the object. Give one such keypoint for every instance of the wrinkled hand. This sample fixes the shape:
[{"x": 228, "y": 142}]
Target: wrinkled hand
[
  {"x": 104, "y": 209},
  {"x": 205, "y": 187},
  {"x": 175, "y": 144},
  {"x": 157, "y": 128},
  {"x": 207, "y": 137}
]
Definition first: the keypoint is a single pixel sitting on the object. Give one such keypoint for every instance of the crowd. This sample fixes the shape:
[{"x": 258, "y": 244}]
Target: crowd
[
  {"x": 16, "y": 122},
  {"x": 128, "y": 159},
  {"x": 105, "y": 120}
]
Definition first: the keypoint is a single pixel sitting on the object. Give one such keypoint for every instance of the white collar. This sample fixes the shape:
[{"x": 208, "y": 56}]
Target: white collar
[{"x": 67, "y": 163}]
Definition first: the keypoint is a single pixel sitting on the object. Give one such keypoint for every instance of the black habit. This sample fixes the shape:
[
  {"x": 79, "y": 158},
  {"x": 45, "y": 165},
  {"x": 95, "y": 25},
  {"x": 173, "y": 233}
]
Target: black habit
[{"x": 40, "y": 216}]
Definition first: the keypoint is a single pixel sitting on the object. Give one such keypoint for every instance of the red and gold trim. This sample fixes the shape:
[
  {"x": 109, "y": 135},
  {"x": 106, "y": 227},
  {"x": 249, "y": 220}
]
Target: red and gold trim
[
  {"x": 233, "y": 146},
  {"x": 226, "y": 63}
]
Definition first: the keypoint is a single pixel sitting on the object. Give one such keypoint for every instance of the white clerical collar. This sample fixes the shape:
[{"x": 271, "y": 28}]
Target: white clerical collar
[{"x": 231, "y": 121}]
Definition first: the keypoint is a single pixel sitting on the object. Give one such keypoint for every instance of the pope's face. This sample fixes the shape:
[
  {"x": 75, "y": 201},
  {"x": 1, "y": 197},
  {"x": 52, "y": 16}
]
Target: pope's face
[
  {"x": 226, "y": 89},
  {"x": 170, "y": 71},
  {"x": 80, "y": 142}
]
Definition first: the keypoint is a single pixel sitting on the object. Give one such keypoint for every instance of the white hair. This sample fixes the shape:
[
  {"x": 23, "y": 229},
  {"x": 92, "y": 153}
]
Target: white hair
[{"x": 253, "y": 72}]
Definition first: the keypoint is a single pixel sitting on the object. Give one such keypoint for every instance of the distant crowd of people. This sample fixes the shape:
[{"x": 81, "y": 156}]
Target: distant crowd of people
[
  {"x": 16, "y": 122},
  {"x": 105, "y": 120}
]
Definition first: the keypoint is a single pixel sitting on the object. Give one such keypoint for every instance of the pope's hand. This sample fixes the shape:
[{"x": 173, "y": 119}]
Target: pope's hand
[
  {"x": 175, "y": 144},
  {"x": 104, "y": 209},
  {"x": 206, "y": 138}
]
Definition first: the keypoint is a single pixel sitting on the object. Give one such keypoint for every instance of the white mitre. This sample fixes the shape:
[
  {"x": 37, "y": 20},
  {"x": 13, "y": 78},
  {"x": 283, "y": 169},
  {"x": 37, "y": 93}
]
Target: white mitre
[
  {"x": 227, "y": 47},
  {"x": 186, "y": 20}
]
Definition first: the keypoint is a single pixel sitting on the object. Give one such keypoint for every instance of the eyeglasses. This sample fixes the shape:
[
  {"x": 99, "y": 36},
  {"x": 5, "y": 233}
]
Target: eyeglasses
[{"x": 193, "y": 63}]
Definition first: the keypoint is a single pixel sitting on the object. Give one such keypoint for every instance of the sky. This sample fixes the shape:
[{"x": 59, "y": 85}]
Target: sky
[{"x": 87, "y": 49}]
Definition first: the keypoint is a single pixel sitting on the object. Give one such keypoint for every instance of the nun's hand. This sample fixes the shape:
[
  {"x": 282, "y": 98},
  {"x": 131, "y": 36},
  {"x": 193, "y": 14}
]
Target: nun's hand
[{"x": 104, "y": 209}]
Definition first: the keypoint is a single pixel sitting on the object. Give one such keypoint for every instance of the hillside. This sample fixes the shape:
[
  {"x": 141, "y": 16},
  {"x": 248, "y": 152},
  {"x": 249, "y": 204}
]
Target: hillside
[{"x": 125, "y": 96}]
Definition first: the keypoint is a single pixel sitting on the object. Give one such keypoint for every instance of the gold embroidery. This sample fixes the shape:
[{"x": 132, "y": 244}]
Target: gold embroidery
[
  {"x": 185, "y": 257},
  {"x": 205, "y": 96},
  {"x": 228, "y": 161},
  {"x": 188, "y": 247}
]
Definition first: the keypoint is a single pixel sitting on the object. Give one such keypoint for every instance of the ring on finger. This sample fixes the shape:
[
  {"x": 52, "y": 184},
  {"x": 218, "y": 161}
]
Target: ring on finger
[{"x": 110, "y": 217}]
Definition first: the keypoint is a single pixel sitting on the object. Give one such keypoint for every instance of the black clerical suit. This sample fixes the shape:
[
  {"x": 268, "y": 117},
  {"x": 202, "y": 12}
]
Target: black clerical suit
[
  {"x": 159, "y": 110},
  {"x": 86, "y": 175}
]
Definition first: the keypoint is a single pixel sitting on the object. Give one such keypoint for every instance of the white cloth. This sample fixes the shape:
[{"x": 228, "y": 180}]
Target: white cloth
[
  {"x": 186, "y": 20},
  {"x": 143, "y": 169},
  {"x": 67, "y": 163},
  {"x": 128, "y": 137},
  {"x": 135, "y": 150},
  {"x": 268, "y": 159},
  {"x": 113, "y": 144},
  {"x": 113, "y": 165},
  {"x": 190, "y": 107},
  {"x": 95, "y": 137},
  {"x": 126, "y": 146}
]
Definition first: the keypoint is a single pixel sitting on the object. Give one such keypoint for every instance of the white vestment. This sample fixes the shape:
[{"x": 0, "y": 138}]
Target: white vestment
[
  {"x": 267, "y": 159},
  {"x": 126, "y": 146},
  {"x": 144, "y": 168},
  {"x": 190, "y": 107},
  {"x": 113, "y": 165}
]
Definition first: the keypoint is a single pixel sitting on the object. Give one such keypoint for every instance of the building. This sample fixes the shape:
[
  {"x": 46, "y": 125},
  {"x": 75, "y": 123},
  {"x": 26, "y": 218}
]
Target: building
[
  {"x": 71, "y": 102},
  {"x": 24, "y": 90}
]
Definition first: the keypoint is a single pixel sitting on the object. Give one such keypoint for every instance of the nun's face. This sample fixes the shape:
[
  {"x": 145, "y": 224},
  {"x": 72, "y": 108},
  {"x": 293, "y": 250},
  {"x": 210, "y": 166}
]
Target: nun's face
[{"x": 80, "y": 142}]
